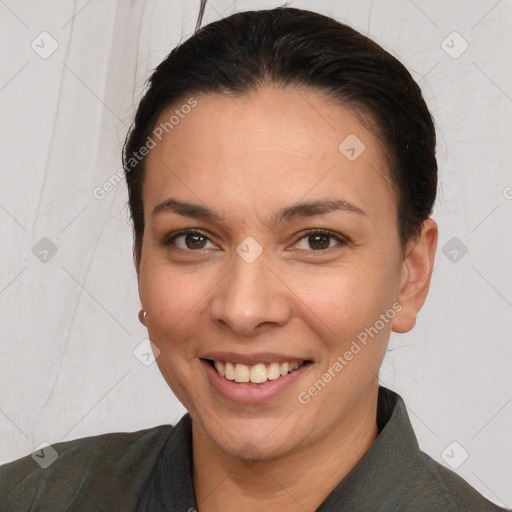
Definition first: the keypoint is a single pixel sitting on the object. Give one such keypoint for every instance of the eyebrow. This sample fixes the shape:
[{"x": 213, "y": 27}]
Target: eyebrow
[{"x": 304, "y": 209}]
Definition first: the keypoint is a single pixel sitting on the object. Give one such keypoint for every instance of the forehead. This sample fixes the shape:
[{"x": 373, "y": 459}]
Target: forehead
[
  {"x": 271, "y": 117},
  {"x": 263, "y": 144}
]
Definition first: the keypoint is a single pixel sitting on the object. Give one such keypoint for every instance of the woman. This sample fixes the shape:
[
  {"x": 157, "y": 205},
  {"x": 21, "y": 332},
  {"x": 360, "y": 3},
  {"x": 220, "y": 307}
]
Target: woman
[{"x": 281, "y": 173}]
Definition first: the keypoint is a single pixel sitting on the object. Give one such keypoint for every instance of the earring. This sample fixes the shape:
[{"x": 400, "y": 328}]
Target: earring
[{"x": 142, "y": 316}]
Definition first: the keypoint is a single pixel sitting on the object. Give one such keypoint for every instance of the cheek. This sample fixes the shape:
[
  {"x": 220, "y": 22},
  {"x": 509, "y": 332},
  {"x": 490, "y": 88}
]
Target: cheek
[
  {"x": 344, "y": 308},
  {"x": 346, "y": 299},
  {"x": 171, "y": 298}
]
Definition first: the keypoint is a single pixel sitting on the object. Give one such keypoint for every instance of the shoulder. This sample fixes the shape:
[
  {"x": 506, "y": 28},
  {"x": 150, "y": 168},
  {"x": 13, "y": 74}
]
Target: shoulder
[
  {"x": 439, "y": 488},
  {"x": 97, "y": 469},
  {"x": 409, "y": 479}
]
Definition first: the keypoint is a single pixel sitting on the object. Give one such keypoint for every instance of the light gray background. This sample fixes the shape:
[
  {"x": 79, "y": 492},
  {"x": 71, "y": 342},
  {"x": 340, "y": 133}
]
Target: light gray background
[{"x": 69, "y": 325}]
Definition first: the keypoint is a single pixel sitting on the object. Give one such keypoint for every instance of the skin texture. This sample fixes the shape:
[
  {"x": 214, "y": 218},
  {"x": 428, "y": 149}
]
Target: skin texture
[{"x": 246, "y": 158}]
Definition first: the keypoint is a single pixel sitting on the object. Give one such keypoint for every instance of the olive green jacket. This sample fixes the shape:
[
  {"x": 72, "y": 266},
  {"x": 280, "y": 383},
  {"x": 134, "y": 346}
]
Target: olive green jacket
[{"x": 151, "y": 470}]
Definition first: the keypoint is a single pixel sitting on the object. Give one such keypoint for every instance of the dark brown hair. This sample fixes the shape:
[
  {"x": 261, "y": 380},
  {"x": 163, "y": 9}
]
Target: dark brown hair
[{"x": 287, "y": 46}]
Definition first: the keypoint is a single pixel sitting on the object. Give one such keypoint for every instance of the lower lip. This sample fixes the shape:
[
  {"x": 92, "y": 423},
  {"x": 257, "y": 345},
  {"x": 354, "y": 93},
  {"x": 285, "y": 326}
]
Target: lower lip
[{"x": 252, "y": 393}]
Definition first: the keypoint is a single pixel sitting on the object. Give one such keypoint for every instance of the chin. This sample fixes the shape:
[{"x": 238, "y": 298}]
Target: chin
[{"x": 253, "y": 440}]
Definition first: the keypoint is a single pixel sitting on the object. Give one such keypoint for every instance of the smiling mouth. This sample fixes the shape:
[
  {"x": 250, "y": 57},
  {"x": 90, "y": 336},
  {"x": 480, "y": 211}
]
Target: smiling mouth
[{"x": 255, "y": 374}]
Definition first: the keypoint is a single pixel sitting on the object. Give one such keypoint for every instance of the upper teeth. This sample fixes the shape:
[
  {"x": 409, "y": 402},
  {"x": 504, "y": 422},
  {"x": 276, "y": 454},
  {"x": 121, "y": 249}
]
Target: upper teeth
[{"x": 257, "y": 373}]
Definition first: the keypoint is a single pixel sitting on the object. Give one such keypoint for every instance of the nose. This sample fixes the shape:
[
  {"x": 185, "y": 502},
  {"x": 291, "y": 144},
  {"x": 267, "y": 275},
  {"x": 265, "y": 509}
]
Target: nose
[{"x": 250, "y": 296}]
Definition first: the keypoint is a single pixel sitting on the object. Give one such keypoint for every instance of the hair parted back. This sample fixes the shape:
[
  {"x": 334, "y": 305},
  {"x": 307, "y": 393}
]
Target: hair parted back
[{"x": 294, "y": 47}]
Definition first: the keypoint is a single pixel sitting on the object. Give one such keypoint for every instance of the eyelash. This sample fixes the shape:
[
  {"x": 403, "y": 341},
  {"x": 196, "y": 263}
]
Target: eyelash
[{"x": 168, "y": 241}]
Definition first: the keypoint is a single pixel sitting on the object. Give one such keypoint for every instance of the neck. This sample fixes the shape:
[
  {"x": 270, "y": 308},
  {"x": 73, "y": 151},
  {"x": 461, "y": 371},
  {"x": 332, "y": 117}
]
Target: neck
[{"x": 300, "y": 480}]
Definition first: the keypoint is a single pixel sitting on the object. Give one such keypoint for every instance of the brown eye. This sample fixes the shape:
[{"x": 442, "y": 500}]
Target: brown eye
[
  {"x": 188, "y": 240},
  {"x": 195, "y": 241},
  {"x": 320, "y": 241}
]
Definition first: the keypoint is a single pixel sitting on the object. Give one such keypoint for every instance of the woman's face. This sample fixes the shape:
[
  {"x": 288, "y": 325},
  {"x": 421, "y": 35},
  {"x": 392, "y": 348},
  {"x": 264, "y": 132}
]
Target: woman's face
[{"x": 296, "y": 259}]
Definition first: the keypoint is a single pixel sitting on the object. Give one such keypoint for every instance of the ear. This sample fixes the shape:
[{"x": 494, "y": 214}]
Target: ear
[{"x": 415, "y": 276}]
